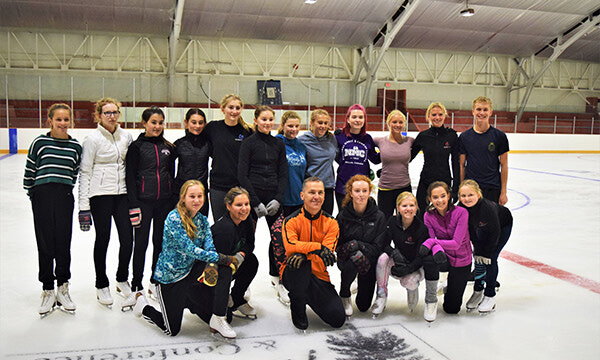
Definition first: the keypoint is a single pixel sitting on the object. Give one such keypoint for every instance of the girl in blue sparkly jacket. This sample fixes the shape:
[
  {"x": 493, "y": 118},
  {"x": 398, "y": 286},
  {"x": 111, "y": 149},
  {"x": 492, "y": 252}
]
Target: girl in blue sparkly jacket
[{"x": 181, "y": 268}]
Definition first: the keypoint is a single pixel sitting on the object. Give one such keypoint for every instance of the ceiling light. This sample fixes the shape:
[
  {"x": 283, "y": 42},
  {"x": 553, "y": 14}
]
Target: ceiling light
[
  {"x": 467, "y": 11},
  {"x": 310, "y": 1}
]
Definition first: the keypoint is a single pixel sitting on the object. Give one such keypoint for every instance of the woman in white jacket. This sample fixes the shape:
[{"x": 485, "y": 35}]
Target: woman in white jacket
[{"x": 103, "y": 194}]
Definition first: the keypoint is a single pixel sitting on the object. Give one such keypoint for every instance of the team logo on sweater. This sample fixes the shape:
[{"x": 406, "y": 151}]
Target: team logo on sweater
[
  {"x": 166, "y": 152},
  {"x": 491, "y": 147},
  {"x": 240, "y": 137}
]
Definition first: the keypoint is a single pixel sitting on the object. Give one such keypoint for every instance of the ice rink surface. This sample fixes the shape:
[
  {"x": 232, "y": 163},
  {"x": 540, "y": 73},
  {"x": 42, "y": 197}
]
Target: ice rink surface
[{"x": 548, "y": 306}]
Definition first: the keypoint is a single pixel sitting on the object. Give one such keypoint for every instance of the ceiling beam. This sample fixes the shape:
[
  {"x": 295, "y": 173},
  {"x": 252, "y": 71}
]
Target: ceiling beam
[
  {"x": 388, "y": 32},
  {"x": 584, "y": 27},
  {"x": 173, "y": 40}
]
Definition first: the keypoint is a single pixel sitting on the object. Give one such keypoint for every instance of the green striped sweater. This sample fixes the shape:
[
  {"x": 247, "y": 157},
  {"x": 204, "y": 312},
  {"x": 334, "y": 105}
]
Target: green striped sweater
[{"x": 52, "y": 160}]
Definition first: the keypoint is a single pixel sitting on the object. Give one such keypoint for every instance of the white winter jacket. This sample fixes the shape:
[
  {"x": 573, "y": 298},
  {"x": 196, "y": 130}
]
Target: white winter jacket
[{"x": 102, "y": 169}]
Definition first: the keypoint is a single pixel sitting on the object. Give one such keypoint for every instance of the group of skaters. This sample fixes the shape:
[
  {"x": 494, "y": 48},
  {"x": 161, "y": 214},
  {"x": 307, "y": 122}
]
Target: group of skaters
[{"x": 457, "y": 217}]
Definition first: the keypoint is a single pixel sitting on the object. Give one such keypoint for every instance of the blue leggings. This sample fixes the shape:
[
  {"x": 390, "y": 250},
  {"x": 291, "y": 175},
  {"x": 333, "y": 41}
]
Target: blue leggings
[{"x": 487, "y": 274}]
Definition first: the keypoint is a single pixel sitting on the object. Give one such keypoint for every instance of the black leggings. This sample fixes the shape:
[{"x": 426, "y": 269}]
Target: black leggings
[
  {"x": 307, "y": 289},
  {"x": 173, "y": 298},
  {"x": 243, "y": 277},
  {"x": 52, "y": 206},
  {"x": 265, "y": 197},
  {"x": 366, "y": 284},
  {"x": 104, "y": 208},
  {"x": 457, "y": 282},
  {"x": 386, "y": 199},
  {"x": 154, "y": 212}
]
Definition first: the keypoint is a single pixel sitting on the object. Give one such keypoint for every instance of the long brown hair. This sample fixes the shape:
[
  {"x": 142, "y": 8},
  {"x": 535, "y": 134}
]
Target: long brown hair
[{"x": 186, "y": 219}]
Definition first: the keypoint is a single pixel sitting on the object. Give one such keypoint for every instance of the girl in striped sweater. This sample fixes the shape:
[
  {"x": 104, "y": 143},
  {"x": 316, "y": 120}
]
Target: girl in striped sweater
[{"x": 50, "y": 174}]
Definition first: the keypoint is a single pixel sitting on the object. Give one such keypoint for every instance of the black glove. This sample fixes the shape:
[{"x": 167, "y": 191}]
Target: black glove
[
  {"x": 424, "y": 250},
  {"x": 337, "y": 131},
  {"x": 326, "y": 255},
  {"x": 398, "y": 258},
  {"x": 361, "y": 262},
  {"x": 351, "y": 246},
  {"x": 379, "y": 173},
  {"x": 295, "y": 260},
  {"x": 85, "y": 220},
  {"x": 440, "y": 257}
]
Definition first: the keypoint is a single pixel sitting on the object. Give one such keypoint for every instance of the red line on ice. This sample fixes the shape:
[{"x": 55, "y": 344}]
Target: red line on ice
[{"x": 552, "y": 271}]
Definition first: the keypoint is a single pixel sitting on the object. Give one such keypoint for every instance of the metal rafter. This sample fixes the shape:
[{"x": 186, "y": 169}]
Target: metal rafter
[
  {"x": 584, "y": 27},
  {"x": 173, "y": 40},
  {"x": 388, "y": 32}
]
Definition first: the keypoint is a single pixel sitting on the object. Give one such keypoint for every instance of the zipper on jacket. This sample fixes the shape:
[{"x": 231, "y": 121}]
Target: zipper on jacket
[
  {"x": 118, "y": 159},
  {"x": 157, "y": 172}
]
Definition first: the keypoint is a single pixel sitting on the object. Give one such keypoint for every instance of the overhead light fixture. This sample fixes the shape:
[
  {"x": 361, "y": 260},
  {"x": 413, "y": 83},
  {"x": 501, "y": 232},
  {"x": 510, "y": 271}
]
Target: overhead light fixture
[
  {"x": 310, "y": 2},
  {"x": 467, "y": 11}
]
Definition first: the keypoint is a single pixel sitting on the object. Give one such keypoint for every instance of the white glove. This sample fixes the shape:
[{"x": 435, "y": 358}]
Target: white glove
[
  {"x": 482, "y": 260},
  {"x": 260, "y": 210},
  {"x": 272, "y": 207}
]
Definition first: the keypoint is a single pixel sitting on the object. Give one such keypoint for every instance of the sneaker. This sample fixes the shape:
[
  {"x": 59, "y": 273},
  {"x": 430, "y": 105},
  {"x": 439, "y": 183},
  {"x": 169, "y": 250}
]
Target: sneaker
[
  {"x": 123, "y": 288},
  {"x": 103, "y": 296},
  {"x": 299, "y": 318},
  {"x": 430, "y": 312},
  {"x": 474, "y": 300},
  {"x": 218, "y": 324},
  {"x": 378, "y": 305},
  {"x": 347, "y": 306},
  {"x": 64, "y": 298},
  {"x": 140, "y": 303},
  {"x": 283, "y": 294},
  {"x": 246, "y": 310},
  {"x": 48, "y": 301},
  {"x": 412, "y": 297},
  {"x": 152, "y": 292},
  {"x": 487, "y": 304}
]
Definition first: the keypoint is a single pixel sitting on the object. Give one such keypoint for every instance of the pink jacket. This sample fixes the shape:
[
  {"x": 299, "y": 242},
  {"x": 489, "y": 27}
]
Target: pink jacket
[{"x": 451, "y": 233}]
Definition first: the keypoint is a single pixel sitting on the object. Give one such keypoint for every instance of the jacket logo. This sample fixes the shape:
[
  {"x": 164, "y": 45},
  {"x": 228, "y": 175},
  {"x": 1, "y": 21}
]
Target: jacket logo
[
  {"x": 491, "y": 147},
  {"x": 446, "y": 145},
  {"x": 165, "y": 152},
  {"x": 240, "y": 137},
  {"x": 409, "y": 240}
]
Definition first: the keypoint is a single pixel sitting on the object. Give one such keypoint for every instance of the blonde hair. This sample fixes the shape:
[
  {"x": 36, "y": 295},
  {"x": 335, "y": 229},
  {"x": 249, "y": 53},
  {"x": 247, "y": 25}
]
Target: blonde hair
[
  {"x": 434, "y": 105},
  {"x": 229, "y": 97},
  {"x": 393, "y": 114},
  {"x": 313, "y": 118},
  {"x": 471, "y": 184},
  {"x": 406, "y": 195},
  {"x": 483, "y": 100},
  {"x": 100, "y": 104},
  {"x": 290, "y": 114},
  {"x": 351, "y": 182},
  {"x": 52, "y": 109},
  {"x": 186, "y": 219}
]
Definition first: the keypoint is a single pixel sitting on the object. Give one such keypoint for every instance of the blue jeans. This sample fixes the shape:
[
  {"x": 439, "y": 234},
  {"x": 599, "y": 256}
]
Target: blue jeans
[{"x": 489, "y": 273}]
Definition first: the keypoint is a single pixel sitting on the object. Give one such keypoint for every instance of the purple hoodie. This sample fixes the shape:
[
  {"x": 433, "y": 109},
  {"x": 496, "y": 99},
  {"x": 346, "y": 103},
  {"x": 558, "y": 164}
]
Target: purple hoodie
[
  {"x": 451, "y": 233},
  {"x": 355, "y": 151}
]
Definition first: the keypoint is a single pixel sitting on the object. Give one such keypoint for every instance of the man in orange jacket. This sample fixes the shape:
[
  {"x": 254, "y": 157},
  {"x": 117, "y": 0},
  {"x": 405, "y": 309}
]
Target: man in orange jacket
[{"x": 310, "y": 237}]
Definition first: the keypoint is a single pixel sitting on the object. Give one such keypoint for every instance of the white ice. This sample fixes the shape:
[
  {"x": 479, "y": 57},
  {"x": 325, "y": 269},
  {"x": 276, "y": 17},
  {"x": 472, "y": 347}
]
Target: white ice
[{"x": 554, "y": 198}]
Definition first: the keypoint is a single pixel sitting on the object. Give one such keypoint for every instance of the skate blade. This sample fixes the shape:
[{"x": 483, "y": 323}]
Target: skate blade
[
  {"x": 286, "y": 303},
  {"x": 484, "y": 313},
  {"x": 127, "y": 308},
  {"x": 215, "y": 333},
  {"x": 375, "y": 316},
  {"x": 471, "y": 310},
  {"x": 67, "y": 311},
  {"x": 108, "y": 306},
  {"x": 239, "y": 315},
  {"x": 43, "y": 315}
]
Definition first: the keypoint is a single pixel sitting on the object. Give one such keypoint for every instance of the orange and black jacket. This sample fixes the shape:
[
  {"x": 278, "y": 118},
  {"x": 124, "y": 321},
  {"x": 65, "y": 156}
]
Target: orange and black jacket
[{"x": 304, "y": 233}]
